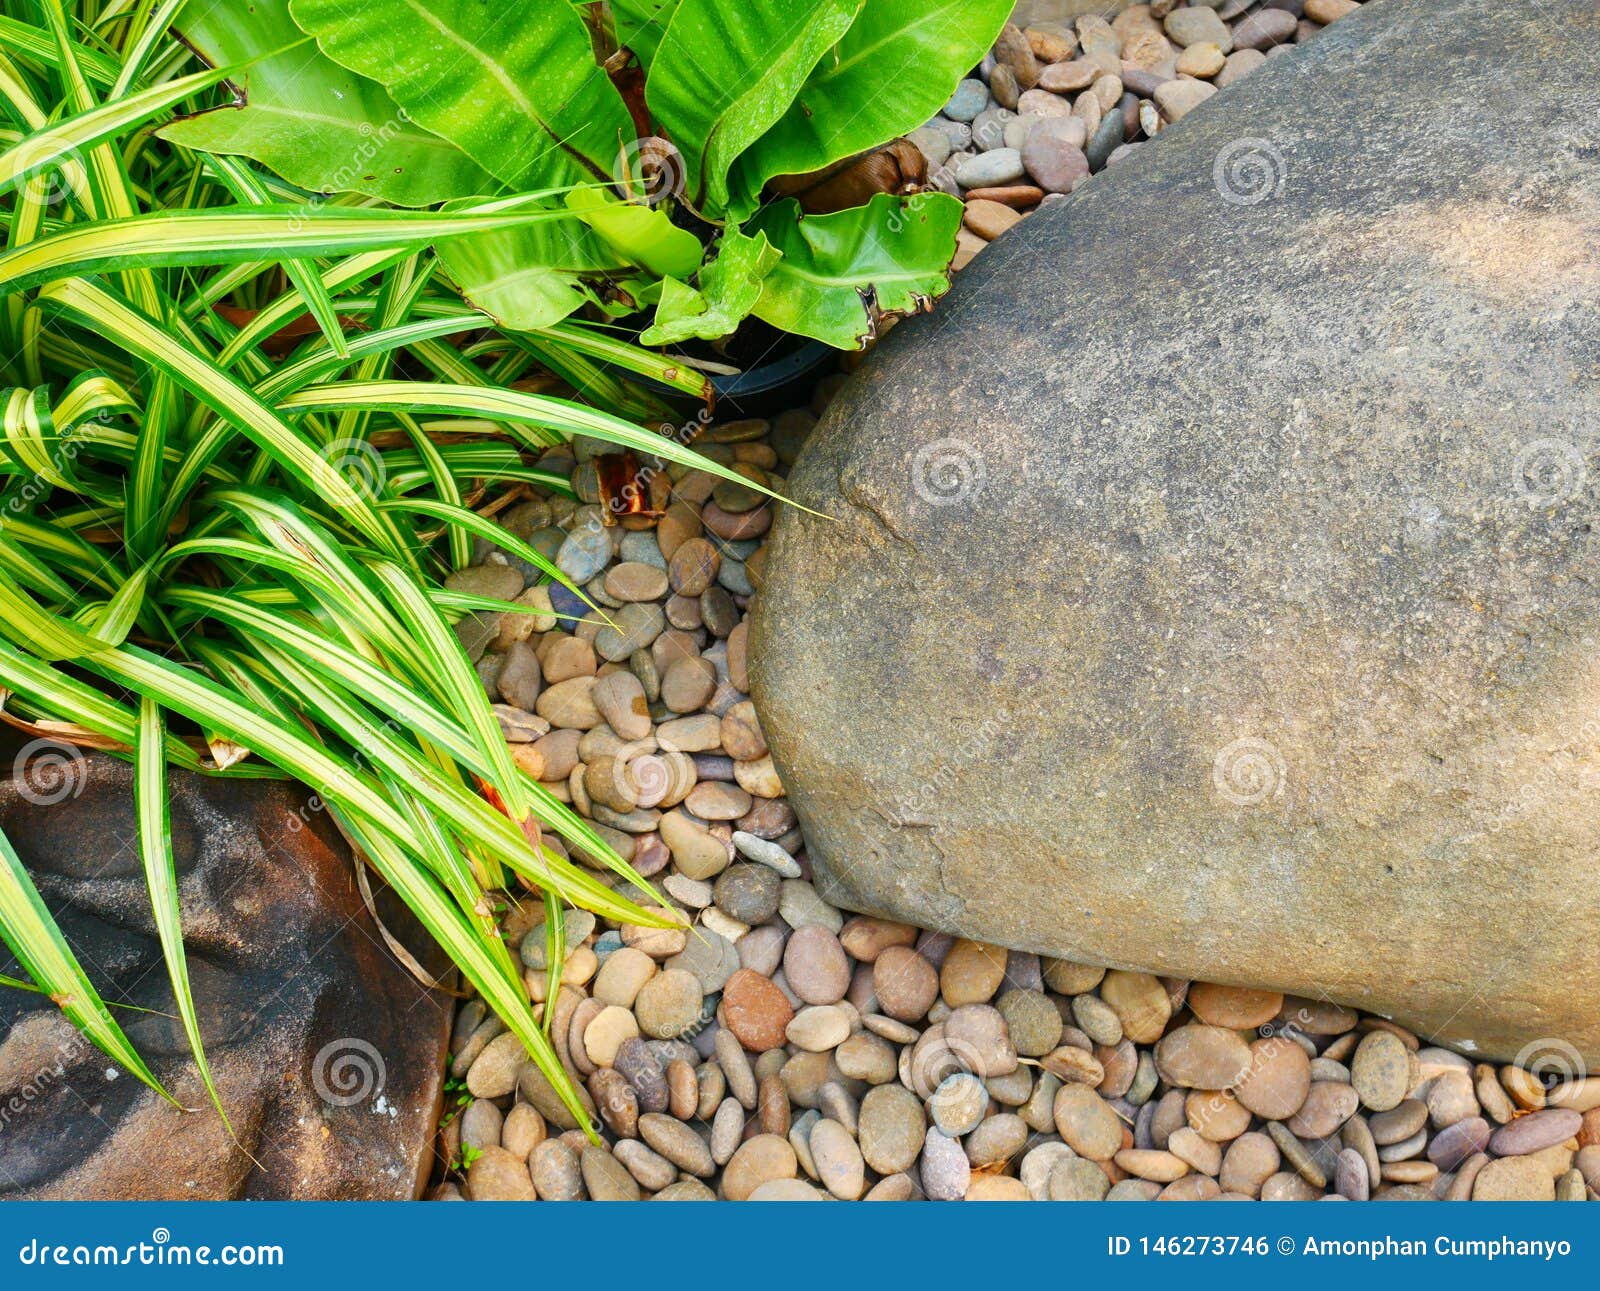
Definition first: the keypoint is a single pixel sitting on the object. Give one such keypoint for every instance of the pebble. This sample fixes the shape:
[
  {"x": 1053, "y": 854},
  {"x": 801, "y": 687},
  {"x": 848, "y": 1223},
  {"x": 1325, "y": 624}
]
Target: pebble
[
  {"x": 801, "y": 907},
  {"x": 1074, "y": 1179},
  {"x": 818, "y": 1028},
  {"x": 678, "y": 1143},
  {"x": 1202, "y": 1057},
  {"x": 1178, "y": 98},
  {"x": 990, "y": 169},
  {"x": 989, "y": 219},
  {"x": 584, "y": 552},
  {"x": 1263, "y": 29},
  {"x": 1199, "y": 24},
  {"x": 494, "y": 1072},
  {"x": 904, "y": 983},
  {"x": 668, "y": 1004},
  {"x": 767, "y": 853},
  {"x": 1278, "y": 1080},
  {"x": 1398, "y": 1123},
  {"x": 1086, "y": 1123},
  {"x": 756, "y": 1011},
  {"x": 969, "y": 99},
  {"x": 892, "y": 1126},
  {"x": 652, "y": 1171},
  {"x": 1381, "y": 1071},
  {"x": 958, "y": 1104},
  {"x": 1033, "y": 1023},
  {"x": 972, "y": 972},
  {"x": 1519, "y": 1178},
  {"x": 946, "y": 1172},
  {"x": 1069, "y": 77},
  {"x": 1140, "y": 1002},
  {"x": 1200, "y": 1153},
  {"x": 1327, "y": 1106},
  {"x": 1458, "y": 1141},
  {"x": 759, "y": 1160},
  {"x": 1251, "y": 1159},
  {"x": 1535, "y": 1132},
  {"x": 606, "y": 1178},
  {"x": 979, "y": 1035},
  {"x": 1350, "y": 1179},
  {"x": 1203, "y": 59},
  {"x": 498, "y": 1175},
  {"x": 555, "y": 1172},
  {"x": 815, "y": 965},
  {"x": 837, "y": 1159},
  {"x": 1233, "y": 1006},
  {"x": 710, "y": 957},
  {"x": 605, "y": 1034},
  {"x": 693, "y": 567},
  {"x": 748, "y": 893},
  {"x": 619, "y": 698}
]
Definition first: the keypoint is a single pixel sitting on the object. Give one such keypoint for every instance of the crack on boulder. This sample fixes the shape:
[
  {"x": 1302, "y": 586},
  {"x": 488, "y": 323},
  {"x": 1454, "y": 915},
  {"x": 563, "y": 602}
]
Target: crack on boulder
[{"x": 853, "y": 493}]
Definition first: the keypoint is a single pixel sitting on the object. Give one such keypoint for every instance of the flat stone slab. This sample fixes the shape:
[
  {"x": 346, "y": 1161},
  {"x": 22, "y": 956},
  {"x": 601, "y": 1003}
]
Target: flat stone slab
[
  {"x": 1213, "y": 592},
  {"x": 329, "y": 1056}
]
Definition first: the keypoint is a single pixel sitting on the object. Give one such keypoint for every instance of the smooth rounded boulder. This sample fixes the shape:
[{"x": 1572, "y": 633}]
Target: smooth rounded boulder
[{"x": 1212, "y": 594}]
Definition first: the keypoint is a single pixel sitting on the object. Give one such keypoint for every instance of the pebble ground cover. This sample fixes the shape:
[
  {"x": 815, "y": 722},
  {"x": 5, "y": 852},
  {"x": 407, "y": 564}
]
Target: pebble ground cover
[{"x": 780, "y": 1048}]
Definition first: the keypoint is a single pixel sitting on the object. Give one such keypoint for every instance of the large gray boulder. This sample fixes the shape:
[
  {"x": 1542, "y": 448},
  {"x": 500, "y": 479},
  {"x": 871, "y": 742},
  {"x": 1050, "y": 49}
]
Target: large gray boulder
[{"x": 1212, "y": 585}]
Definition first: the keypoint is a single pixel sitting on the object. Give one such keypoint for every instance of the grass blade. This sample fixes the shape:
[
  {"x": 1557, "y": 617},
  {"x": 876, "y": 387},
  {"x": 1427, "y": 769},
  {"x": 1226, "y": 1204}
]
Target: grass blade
[
  {"x": 155, "y": 848},
  {"x": 30, "y": 931}
]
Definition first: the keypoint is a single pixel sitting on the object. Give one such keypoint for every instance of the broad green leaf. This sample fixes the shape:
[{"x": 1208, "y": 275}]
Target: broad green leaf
[
  {"x": 513, "y": 84},
  {"x": 317, "y": 124},
  {"x": 730, "y": 286},
  {"x": 644, "y": 235},
  {"x": 841, "y": 273},
  {"x": 527, "y": 278},
  {"x": 160, "y": 876},
  {"x": 725, "y": 71},
  {"x": 893, "y": 70}
]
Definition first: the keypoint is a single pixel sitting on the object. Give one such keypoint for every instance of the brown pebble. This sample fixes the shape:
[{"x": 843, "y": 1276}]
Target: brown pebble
[
  {"x": 693, "y": 567},
  {"x": 772, "y": 1105},
  {"x": 756, "y": 1011},
  {"x": 683, "y": 1090},
  {"x": 1233, "y": 1006},
  {"x": 989, "y": 219},
  {"x": 1017, "y": 196},
  {"x": 905, "y": 983}
]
